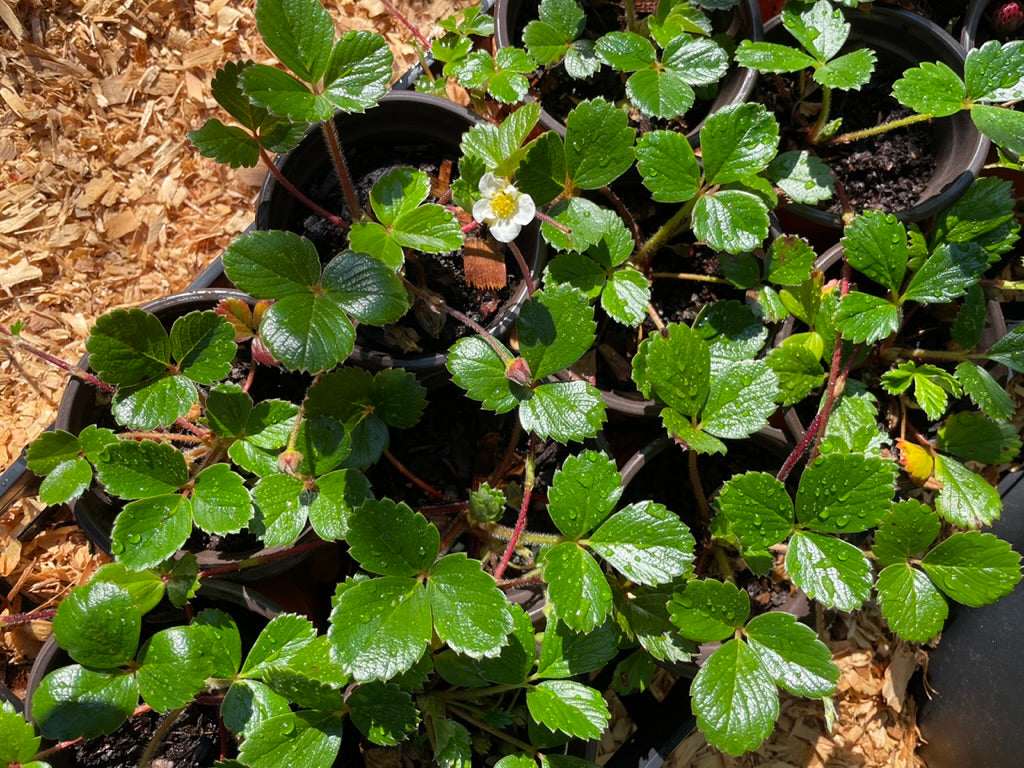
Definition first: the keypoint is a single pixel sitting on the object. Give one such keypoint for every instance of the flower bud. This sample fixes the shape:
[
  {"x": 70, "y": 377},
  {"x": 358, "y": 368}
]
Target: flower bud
[
  {"x": 1008, "y": 18},
  {"x": 518, "y": 371},
  {"x": 289, "y": 462}
]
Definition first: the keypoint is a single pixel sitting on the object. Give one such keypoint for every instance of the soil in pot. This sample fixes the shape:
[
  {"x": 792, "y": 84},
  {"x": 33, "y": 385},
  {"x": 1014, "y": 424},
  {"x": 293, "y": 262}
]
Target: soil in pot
[{"x": 887, "y": 172}]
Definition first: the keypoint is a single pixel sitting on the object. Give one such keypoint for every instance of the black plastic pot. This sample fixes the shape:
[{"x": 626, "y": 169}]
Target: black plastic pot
[
  {"x": 907, "y": 39},
  {"x": 404, "y": 128},
  {"x": 83, "y": 404},
  {"x": 973, "y": 716},
  {"x": 741, "y": 23}
]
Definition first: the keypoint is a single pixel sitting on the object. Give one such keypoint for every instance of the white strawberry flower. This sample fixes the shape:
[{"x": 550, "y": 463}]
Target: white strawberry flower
[{"x": 503, "y": 208}]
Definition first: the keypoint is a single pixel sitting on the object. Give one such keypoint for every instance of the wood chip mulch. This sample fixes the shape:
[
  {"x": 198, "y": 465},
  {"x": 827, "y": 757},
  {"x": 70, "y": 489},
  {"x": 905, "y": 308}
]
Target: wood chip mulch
[{"x": 104, "y": 204}]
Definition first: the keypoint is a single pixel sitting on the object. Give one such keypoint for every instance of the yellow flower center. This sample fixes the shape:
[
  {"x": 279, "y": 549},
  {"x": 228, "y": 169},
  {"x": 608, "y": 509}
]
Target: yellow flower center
[{"x": 503, "y": 205}]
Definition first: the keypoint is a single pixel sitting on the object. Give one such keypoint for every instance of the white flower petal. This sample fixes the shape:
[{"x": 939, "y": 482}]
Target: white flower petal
[
  {"x": 490, "y": 185},
  {"x": 525, "y": 210},
  {"x": 482, "y": 211},
  {"x": 505, "y": 230}
]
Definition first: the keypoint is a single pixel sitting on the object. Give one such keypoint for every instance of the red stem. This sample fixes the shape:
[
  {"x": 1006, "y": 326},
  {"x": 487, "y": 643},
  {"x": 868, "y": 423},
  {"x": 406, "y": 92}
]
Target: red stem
[
  {"x": 63, "y": 365},
  {"x": 268, "y": 558},
  {"x": 414, "y": 479},
  {"x": 43, "y": 614},
  {"x": 521, "y": 520},
  {"x": 525, "y": 268},
  {"x": 406, "y": 23},
  {"x": 294, "y": 191}
]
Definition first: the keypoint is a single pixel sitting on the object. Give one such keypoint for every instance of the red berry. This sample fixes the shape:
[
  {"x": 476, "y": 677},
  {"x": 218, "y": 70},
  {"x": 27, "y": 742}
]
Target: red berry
[{"x": 1008, "y": 18}]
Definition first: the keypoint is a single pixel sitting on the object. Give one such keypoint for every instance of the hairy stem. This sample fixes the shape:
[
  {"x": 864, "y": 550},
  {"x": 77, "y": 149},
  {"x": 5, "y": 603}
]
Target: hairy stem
[
  {"x": 405, "y": 23},
  {"x": 297, "y": 193},
  {"x": 62, "y": 364},
  {"x": 528, "y": 481},
  {"x": 525, "y": 269},
  {"x": 879, "y": 129},
  {"x": 333, "y": 141},
  {"x": 556, "y": 224},
  {"x": 678, "y": 220},
  {"x": 936, "y": 355},
  {"x": 690, "y": 276},
  {"x": 43, "y": 614},
  {"x": 814, "y": 136}
]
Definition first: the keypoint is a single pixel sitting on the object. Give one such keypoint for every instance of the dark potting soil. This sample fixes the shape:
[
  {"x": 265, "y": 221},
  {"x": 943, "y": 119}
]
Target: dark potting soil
[
  {"x": 193, "y": 741},
  {"x": 886, "y": 172}
]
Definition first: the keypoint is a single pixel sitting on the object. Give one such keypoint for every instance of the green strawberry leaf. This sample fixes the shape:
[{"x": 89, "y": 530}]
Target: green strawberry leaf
[
  {"x": 145, "y": 587},
  {"x": 914, "y": 608},
  {"x": 668, "y": 166},
  {"x": 731, "y": 220},
  {"x": 98, "y": 625},
  {"x": 220, "y": 500},
  {"x": 993, "y": 72},
  {"x": 358, "y": 71},
  {"x": 931, "y": 88},
  {"x": 738, "y": 141},
  {"x": 278, "y": 643},
  {"x": 338, "y": 494},
  {"x": 772, "y": 57},
  {"x": 248, "y": 704},
  {"x": 150, "y": 530},
  {"x": 642, "y": 614},
  {"x": 309, "y": 738},
  {"x": 598, "y": 144},
  {"x": 156, "y": 403},
  {"x": 203, "y": 345},
  {"x": 272, "y": 264},
  {"x": 845, "y": 494},
  {"x": 284, "y": 95},
  {"x": 128, "y": 346},
  {"x": 1009, "y": 350},
  {"x": 909, "y": 529},
  {"x": 947, "y": 274},
  {"x": 583, "y": 492},
  {"x": 678, "y": 367},
  {"x": 820, "y": 28},
  {"x": 565, "y": 653},
  {"x": 385, "y": 714},
  {"x": 563, "y": 411},
  {"x": 454, "y": 744},
  {"x": 226, "y": 144},
  {"x": 875, "y": 243},
  {"x": 696, "y": 60},
  {"x": 789, "y": 261},
  {"x": 847, "y": 72},
  {"x": 741, "y": 397},
  {"x": 568, "y": 707},
  {"x": 477, "y": 368},
  {"x": 577, "y": 588},
  {"x": 660, "y": 93},
  {"x": 974, "y": 437},
  {"x": 380, "y": 627},
  {"x": 300, "y": 33},
  {"x": 984, "y": 391},
  {"x": 470, "y": 613},
  {"x": 802, "y": 176},
  {"x": 66, "y": 481},
  {"x": 626, "y": 296},
  {"x": 556, "y": 326},
  {"x": 735, "y": 699},
  {"x": 626, "y": 51},
  {"x": 391, "y": 540},
  {"x": 831, "y": 571},
  {"x": 299, "y": 687},
  {"x": 793, "y": 655},
  {"x": 966, "y": 498},
  {"x": 646, "y": 543},
  {"x": 173, "y": 667},
  {"x": 707, "y": 611},
  {"x": 75, "y": 702},
  {"x": 758, "y": 509},
  {"x": 18, "y": 740},
  {"x": 282, "y": 508},
  {"x": 973, "y": 568},
  {"x": 798, "y": 371},
  {"x": 866, "y": 318}
]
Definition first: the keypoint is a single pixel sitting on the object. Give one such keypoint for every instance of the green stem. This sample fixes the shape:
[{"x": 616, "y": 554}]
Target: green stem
[
  {"x": 629, "y": 6},
  {"x": 679, "y": 219},
  {"x": 878, "y": 129},
  {"x": 477, "y": 723},
  {"x": 333, "y": 141},
  {"x": 158, "y": 736},
  {"x": 936, "y": 355},
  {"x": 814, "y": 137},
  {"x": 505, "y": 533},
  {"x": 690, "y": 276}
]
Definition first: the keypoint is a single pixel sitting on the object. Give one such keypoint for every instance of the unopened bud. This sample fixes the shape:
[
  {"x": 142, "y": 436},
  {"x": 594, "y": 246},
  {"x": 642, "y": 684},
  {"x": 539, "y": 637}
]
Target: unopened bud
[
  {"x": 289, "y": 462},
  {"x": 1008, "y": 18},
  {"x": 518, "y": 371}
]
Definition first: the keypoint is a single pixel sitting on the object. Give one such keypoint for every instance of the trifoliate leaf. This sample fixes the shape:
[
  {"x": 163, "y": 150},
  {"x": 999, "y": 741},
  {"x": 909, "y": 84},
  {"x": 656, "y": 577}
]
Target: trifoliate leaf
[
  {"x": 708, "y": 611},
  {"x": 973, "y": 568},
  {"x": 831, "y": 571},
  {"x": 310, "y": 738}
]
